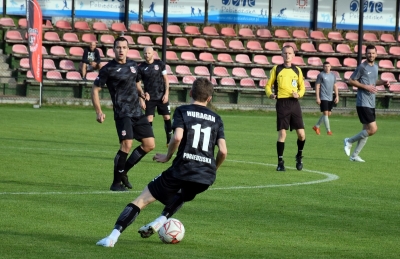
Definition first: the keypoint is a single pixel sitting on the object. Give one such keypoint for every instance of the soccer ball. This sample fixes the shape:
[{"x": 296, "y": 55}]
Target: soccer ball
[{"x": 172, "y": 232}]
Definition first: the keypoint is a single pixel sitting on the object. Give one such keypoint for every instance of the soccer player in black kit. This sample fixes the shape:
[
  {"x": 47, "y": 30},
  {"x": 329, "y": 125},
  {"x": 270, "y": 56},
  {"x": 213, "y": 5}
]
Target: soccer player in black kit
[
  {"x": 197, "y": 130},
  {"x": 120, "y": 77},
  {"x": 155, "y": 80}
]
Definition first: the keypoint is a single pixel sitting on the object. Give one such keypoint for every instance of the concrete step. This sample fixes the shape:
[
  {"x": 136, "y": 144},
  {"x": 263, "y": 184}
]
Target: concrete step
[{"x": 5, "y": 73}]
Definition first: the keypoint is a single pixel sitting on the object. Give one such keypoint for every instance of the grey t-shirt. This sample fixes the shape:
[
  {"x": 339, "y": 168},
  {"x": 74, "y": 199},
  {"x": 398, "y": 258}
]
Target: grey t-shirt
[
  {"x": 367, "y": 75},
  {"x": 326, "y": 82}
]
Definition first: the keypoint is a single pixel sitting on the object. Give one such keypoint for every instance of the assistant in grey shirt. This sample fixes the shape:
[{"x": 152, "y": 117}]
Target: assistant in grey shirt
[{"x": 326, "y": 81}]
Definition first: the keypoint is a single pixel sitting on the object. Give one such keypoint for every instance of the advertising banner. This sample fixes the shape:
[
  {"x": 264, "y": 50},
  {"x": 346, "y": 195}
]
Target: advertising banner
[
  {"x": 60, "y": 8},
  {"x": 179, "y": 11},
  {"x": 325, "y": 14},
  {"x": 34, "y": 26},
  {"x": 293, "y": 13},
  {"x": 104, "y": 9}
]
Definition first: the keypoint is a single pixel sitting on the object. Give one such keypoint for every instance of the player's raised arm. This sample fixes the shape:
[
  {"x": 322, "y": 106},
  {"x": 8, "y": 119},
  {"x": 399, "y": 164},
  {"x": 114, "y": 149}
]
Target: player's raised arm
[{"x": 222, "y": 152}]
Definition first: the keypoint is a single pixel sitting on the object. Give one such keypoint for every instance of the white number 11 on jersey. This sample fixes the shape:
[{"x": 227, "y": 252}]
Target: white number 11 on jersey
[{"x": 206, "y": 136}]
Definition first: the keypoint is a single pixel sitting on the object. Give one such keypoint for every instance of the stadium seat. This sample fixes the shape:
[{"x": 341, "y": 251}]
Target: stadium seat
[
  {"x": 218, "y": 44},
  {"x": 307, "y": 86},
  {"x": 47, "y": 25},
  {"x": 224, "y": 57},
  {"x": 312, "y": 74},
  {"x": 246, "y": 32},
  {"x": 210, "y": 31},
  {"x": 144, "y": 40},
  {"x": 314, "y": 61},
  {"x": 236, "y": 45},
  {"x": 66, "y": 64},
  {"x": 44, "y": 50},
  {"x": 326, "y": 48},
  {"x": 192, "y": 30},
  {"x": 227, "y": 81},
  {"x": 63, "y": 25},
  {"x": 155, "y": 55},
  {"x": 100, "y": 26},
  {"x": 243, "y": 58},
  {"x": 29, "y": 74},
  {"x": 317, "y": 35},
  {"x": 76, "y": 51},
  {"x": 70, "y": 37},
  {"x": 171, "y": 55},
  {"x": 343, "y": 48},
  {"x": 347, "y": 75},
  {"x": 188, "y": 80},
  {"x": 89, "y": 37},
  {"x": 182, "y": 70},
  {"x": 155, "y": 28},
  {"x": 300, "y": 34},
  {"x": 247, "y": 83},
  {"x": 14, "y": 35},
  {"x": 380, "y": 50},
  {"x": 292, "y": 44},
  {"x": 258, "y": 72},
  {"x": 129, "y": 39},
  {"x": 388, "y": 76},
  {"x": 110, "y": 53},
  {"x": 281, "y": 33},
  {"x": 307, "y": 47},
  {"x": 22, "y": 23},
  {"x": 388, "y": 37},
  {"x": 134, "y": 54},
  {"x": 53, "y": 75},
  {"x": 58, "y": 51},
  {"x": 51, "y": 36},
  {"x": 24, "y": 63},
  {"x": 298, "y": 61},
  {"x": 398, "y": 64},
  {"x": 228, "y": 32},
  {"x": 168, "y": 69},
  {"x": 174, "y": 29},
  {"x": 137, "y": 28},
  {"x": 48, "y": 64},
  {"x": 350, "y": 62},
  {"x": 260, "y": 59},
  {"x": 336, "y": 74},
  {"x": 264, "y": 33},
  {"x": 380, "y": 88},
  {"x": 262, "y": 83},
  {"x": 7, "y": 22},
  {"x": 352, "y": 36},
  {"x": 208, "y": 57},
  {"x": 201, "y": 71},
  {"x": 385, "y": 63},
  {"x": 239, "y": 72},
  {"x": 342, "y": 86},
  {"x": 159, "y": 41},
  {"x": 254, "y": 45},
  {"x": 221, "y": 71},
  {"x": 277, "y": 60},
  {"x": 335, "y": 35},
  {"x": 181, "y": 42},
  {"x": 118, "y": 27},
  {"x": 91, "y": 76},
  {"x": 363, "y": 49},
  {"x": 73, "y": 75},
  {"x": 19, "y": 49},
  {"x": 188, "y": 56},
  {"x": 394, "y": 50},
  {"x": 107, "y": 39},
  {"x": 394, "y": 88},
  {"x": 333, "y": 61},
  {"x": 368, "y": 36},
  {"x": 172, "y": 79},
  {"x": 81, "y": 26},
  {"x": 272, "y": 46},
  {"x": 199, "y": 43}
]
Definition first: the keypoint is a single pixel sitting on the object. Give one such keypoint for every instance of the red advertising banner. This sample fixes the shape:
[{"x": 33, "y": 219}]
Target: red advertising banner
[{"x": 35, "y": 20}]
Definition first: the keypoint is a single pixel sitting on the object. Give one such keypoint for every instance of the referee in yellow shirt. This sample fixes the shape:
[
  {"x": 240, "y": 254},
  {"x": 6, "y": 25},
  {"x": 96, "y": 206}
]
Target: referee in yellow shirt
[{"x": 288, "y": 82}]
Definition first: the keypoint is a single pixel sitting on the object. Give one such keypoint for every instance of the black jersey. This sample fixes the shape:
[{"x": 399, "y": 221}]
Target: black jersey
[
  {"x": 195, "y": 161},
  {"x": 152, "y": 78},
  {"x": 121, "y": 83}
]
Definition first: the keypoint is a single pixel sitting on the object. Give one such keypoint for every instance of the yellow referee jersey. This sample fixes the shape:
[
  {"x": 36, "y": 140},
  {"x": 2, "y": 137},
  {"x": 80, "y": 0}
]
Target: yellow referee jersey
[{"x": 288, "y": 81}]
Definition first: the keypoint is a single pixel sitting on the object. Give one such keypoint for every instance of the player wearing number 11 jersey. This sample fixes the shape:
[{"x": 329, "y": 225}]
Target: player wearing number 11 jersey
[{"x": 197, "y": 130}]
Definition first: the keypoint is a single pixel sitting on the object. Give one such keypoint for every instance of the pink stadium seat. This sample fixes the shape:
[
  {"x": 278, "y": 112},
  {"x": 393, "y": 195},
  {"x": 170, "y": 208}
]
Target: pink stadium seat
[
  {"x": 58, "y": 51},
  {"x": 307, "y": 86},
  {"x": 48, "y": 64},
  {"x": 66, "y": 64},
  {"x": 335, "y": 35},
  {"x": 144, "y": 40},
  {"x": 110, "y": 53},
  {"x": 264, "y": 33},
  {"x": 281, "y": 33},
  {"x": 242, "y": 58},
  {"x": 352, "y": 36},
  {"x": 347, "y": 75},
  {"x": 51, "y": 36},
  {"x": 29, "y": 74},
  {"x": 44, "y": 50},
  {"x": 292, "y": 44},
  {"x": 398, "y": 64},
  {"x": 47, "y": 25},
  {"x": 258, "y": 72},
  {"x": 188, "y": 80},
  {"x": 19, "y": 49},
  {"x": 129, "y": 39},
  {"x": 307, "y": 47},
  {"x": 342, "y": 86},
  {"x": 201, "y": 71},
  {"x": 388, "y": 76},
  {"x": 22, "y": 23},
  {"x": 188, "y": 56},
  {"x": 380, "y": 50},
  {"x": 118, "y": 27},
  {"x": 70, "y": 37},
  {"x": 182, "y": 70},
  {"x": 134, "y": 54},
  {"x": 7, "y": 22},
  {"x": 385, "y": 63},
  {"x": 239, "y": 72},
  {"x": 213, "y": 81},
  {"x": 156, "y": 55},
  {"x": 368, "y": 36},
  {"x": 254, "y": 45},
  {"x": 89, "y": 37},
  {"x": 388, "y": 37},
  {"x": 174, "y": 29},
  {"x": 107, "y": 39},
  {"x": 13, "y": 35},
  {"x": 24, "y": 63},
  {"x": 317, "y": 35},
  {"x": 247, "y": 83},
  {"x": 343, "y": 48},
  {"x": 224, "y": 57},
  {"x": 73, "y": 75},
  {"x": 136, "y": 27},
  {"x": 53, "y": 75},
  {"x": 272, "y": 46},
  {"x": 192, "y": 30},
  {"x": 221, "y": 71},
  {"x": 336, "y": 74},
  {"x": 277, "y": 60},
  {"x": 168, "y": 69},
  {"x": 394, "y": 50},
  {"x": 100, "y": 26},
  {"x": 211, "y": 31},
  {"x": 333, "y": 61},
  {"x": 246, "y": 32},
  {"x": 260, "y": 59},
  {"x": 171, "y": 55},
  {"x": 380, "y": 88},
  {"x": 363, "y": 49},
  {"x": 199, "y": 43},
  {"x": 312, "y": 74},
  {"x": 63, "y": 25},
  {"x": 314, "y": 61},
  {"x": 236, "y": 45},
  {"x": 300, "y": 34},
  {"x": 181, "y": 42},
  {"x": 227, "y": 81},
  {"x": 81, "y": 26},
  {"x": 395, "y": 88},
  {"x": 208, "y": 57},
  {"x": 76, "y": 51},
  {"x": 262, "y": 83},
  {"x": 326, "y": 48},
  {"x": 218, "y": 44},
  {"x": 298, "y": 61},
  {"x": 350, "y": 62},
  {"x": 91, "y": 76},
  {"x": 172, "y": 79},
  {"x": 155, "y": 28},
  {"x": 228, "y": 31},
  {"x": 160, "y": 39}
]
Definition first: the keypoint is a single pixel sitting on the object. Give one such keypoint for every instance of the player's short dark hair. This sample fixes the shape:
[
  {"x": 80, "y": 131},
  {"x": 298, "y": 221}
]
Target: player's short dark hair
[
  {"x": 286, "y": 47},
  {"x": 202, "y": 88},
  {"x": 326, "y": 63},
  {"x": 370, "y": 46},
  {"x": 120, "y": 39}
]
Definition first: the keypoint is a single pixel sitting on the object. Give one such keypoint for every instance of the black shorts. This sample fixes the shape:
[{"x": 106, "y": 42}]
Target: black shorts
[
  {"x": 134, "y": 128},
  {"x": 162, "y": 108},
  {"x": 289, "y": 114},
  {"x": 164, "y": 187},
  {"x": 366, "y": 114},
  {"x": 326, "y": 105}
]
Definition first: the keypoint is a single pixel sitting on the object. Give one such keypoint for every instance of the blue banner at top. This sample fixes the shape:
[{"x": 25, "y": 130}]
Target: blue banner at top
[{"x": 179, "y": 11}]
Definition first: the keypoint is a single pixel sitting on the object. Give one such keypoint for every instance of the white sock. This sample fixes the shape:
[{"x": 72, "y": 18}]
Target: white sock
[
  {"x": 161, "y": 219},
  {"x": 115, "y": 235}
]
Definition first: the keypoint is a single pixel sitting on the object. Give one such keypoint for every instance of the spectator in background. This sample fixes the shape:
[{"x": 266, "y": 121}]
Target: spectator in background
[{"x": 90, "y": 60}]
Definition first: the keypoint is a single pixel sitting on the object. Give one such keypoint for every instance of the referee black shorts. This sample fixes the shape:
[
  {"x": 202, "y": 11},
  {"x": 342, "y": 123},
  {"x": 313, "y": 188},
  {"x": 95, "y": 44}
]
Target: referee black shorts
[
  {"x": 366, "y": 114},
  {"x": 289, "y": 114},
  {"x": 162, "y": 108},
  {"x": 134, "y": 128}
]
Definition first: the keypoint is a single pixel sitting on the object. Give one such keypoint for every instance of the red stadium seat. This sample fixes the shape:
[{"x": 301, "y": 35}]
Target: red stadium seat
[
  {"x": 172, "y": 79},
  {"x": 227, "y": 81},
  {"x": 100, "y": 26},
  {"x": 239, "y": 72},
  {"x": 73, "y": 75},
  {"x": 350, "y": 62},
  {"x": 182, "y": 70},
  {"x": 363, "y": 49},
  {"x": 388, "y": 37},
  {"x": 307, "y": 47},
  {"x": 395, "y": 88},
  {"x": 247, "y": 83},
  {"x": 312, "y": 74},
  {"x": 89, "y": 37},
  {"x": 264, "y": 33},
  {"x": 343, "y": 48},
  {"x": 201, "y": 71},
  {"x": 314, "y": 61},
  {"x": 246, "y": 32},
  {"x": 326, "y": 48},
  {"x": 398, "y": 64},
  {"x": 19, "y": 49},
  {"x": 192, "y": 30},
  {"x": 107, "y": 39},
  {"x": 291, "y": 44},
  {"x": 380, "y": 50},
  {"x": 260, "y": 59},
  {"x": 171, "y": 55},
  {"x": 388, "y": 76},
  {"x": 228, "y": 31},
  {"x": 24, "y": 63},
  {"x": 242, "y": 58},
  {"x": 208, "y": 57},
  {"x": 22, "y": 23},
  {"x": 13, "y": 35},
  {"x": 211, "y": 31},
  {"x": 258, "y": 72},
  {"x": 254, "y": 45},
  {"x": 352, "y": 36},
  {"x": 188, "y": 56},
  {"x": 58, "y": 51},
  {"x": 333, "y": 61},
  {"x": 47, "y": 25},
  {"x": 347, "y": 75},
  {"x": 144, "y": 40},
  {"x": 174, "y": 29},
  {"x": 63, "y": 25},
  {"x": 67, "y": 65},
  {"x": 168, "y": 69},
  {"x": 380, "y": 88},
  {"x": 136, "y": 27},
  {"x": 155, "y": 28},
  {"x": 91, "y": 76},
  {"x": 236, "y": 45},
  {"x": 298, "y": 61},
  {"x": 188, "y": 80},
  {"x": 160, "y": 39},
  {"x": 342, "y": 86},
  {"x": 81, "y": 26},
  {"x": 300, "y": 34},
  {"x": 317, "y": 35},
  {"x": 53, "y": 75},
  {"x": 29, "y": 74},
  {"x": 44, "y": 50},
  {"x": 385, "y": 63},
  {"x": 272, "y": 46},
  {"x": 224, "y": 57},
  {"x": 110, "y": 53},
  {"x": 76, "y": 51},
  {"x": 335, "y": 35},
  {"x": 307, "y": 86},
  {"x": 118, "y": 27},
  {"x": 277, "y": 60},
  {"x": 129, "y": 39},
  {"x": 368, "y": 36},
  {"x": 70, "y": 37},
  {"x": 262, "y": 83},
  {"x": 134, "y": 54},
  {"x": 281, "y": 33},
  {"x": 7, "y": 22},
  {"x": 181, "y": 42},
  {"x": 394, "y": 50},
  {"x": 218, "y": 44},
  {"x": 221, "y": 71},
  {"x": 51, "y": 36},
  {"x": 336, "y": 74},
  {"x": 48, "y": 64},
  {"x": 199, "y": 43}
]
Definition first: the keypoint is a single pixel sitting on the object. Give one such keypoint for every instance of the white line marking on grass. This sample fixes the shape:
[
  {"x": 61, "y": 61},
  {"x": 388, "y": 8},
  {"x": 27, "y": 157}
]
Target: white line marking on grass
[{"x": 329, "y": 177}]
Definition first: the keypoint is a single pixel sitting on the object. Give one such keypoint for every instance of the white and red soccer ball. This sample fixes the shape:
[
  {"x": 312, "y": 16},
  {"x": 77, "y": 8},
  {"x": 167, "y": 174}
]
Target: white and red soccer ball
[{"x": 172, "y": 232}]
